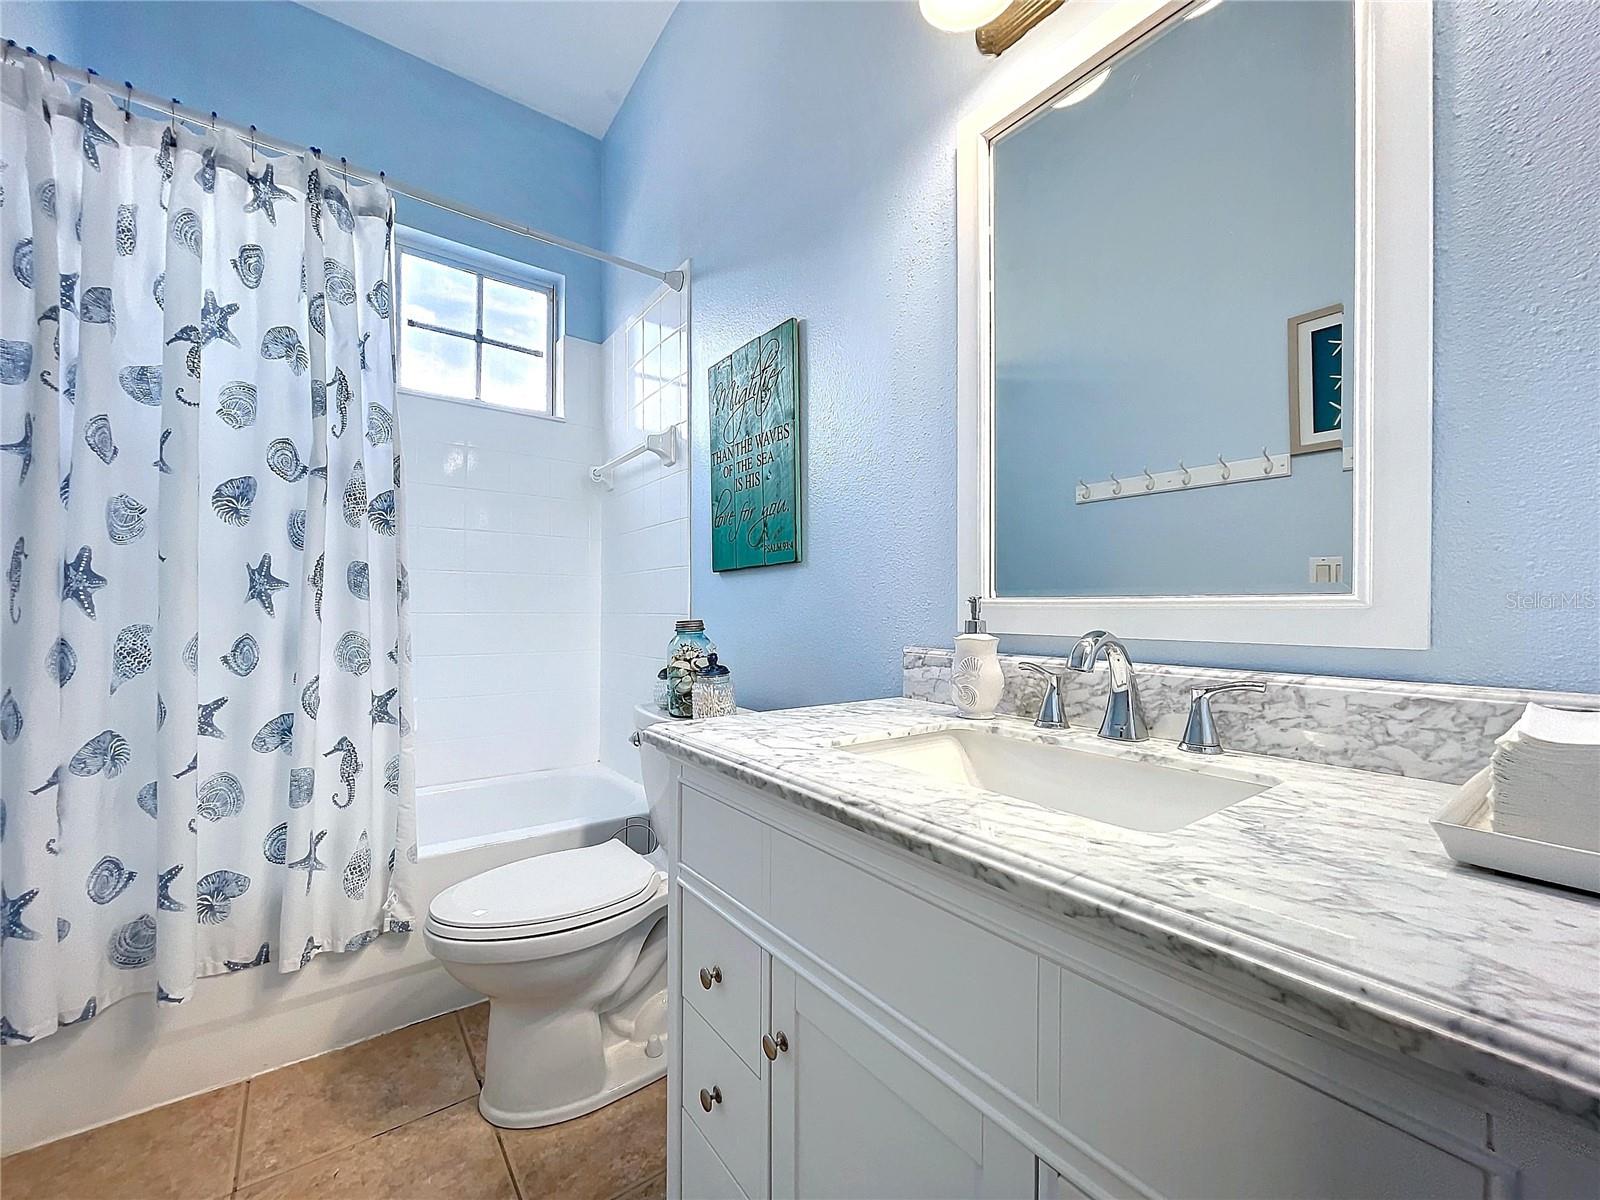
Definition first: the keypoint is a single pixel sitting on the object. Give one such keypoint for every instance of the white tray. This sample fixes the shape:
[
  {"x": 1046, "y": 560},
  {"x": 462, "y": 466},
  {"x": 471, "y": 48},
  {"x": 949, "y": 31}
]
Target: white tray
[{"x": 1466, "y": 828}]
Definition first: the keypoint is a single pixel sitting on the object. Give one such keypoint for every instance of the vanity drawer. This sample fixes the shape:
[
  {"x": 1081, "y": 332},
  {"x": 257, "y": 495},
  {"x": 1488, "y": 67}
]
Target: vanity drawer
[
  {"x": 725, "y": 846},
  {"x": 736, "y": 1126},
  {"x": 703, "y": 1173},
  {"x": 715, "y": 952}
]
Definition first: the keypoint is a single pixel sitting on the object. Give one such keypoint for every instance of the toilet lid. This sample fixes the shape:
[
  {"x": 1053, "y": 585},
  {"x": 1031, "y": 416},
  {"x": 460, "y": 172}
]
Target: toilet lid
[{"x": 546, "y": 893}]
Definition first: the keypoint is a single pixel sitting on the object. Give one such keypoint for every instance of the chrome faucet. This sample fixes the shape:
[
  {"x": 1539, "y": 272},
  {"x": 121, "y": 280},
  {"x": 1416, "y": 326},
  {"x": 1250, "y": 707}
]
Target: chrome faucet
[
  {"x": 1050, "y": 714},
  {"x": 1200, "y": 735},
  {"x": 1124, "y": 719}
]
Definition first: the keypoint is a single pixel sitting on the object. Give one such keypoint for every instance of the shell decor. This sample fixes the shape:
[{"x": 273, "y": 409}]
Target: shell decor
[
  {"x": 311, "y": 697},
  {"x": 186, "y": 230},
  {"x": 16, "y": 362},
  {"x": 22, "y": 262},
  {"x": 243, "y": 656},
  {"x": 106, "y": 752},
  {"x": 380, "y": 424},
  {"x": 161, "y": 464},
  {"x": 362, "y": 940},
  {"x": 108, "y": 879},
  {"x": 61, "y": 663},
  {"x": 301, "y": 782},
  {"x": 164, "y": 900},
  {"x": 339, "y": 208},
  {"x": 341, "y": 282},
  {"x": 314, "y": 209},
  {"x": 158, "y": 291},
  {"x": 63, "y": 927},
  {"x": 97, "y": 435},
  {"x": 45, "y": 196},
  {"x": 358, "y": 870},
  {"x": 251, "y": 265},
  {"x": 206, "y": 176},
  {"x": 355, "y": 496},
  {"x": 313, "y": 948},
  {"x": 131, "y": 654},
  {"x": 127, "y": 229},
  {"x": 10, "y": 718},
  {"x": 146, "y": 799},
  {"x": 402, "y": 582},
  {"x": 281, "y": 342},
  {"x": 125, "y": 519},
  {"x": 263, "y": 955},
  {"x": 381, "y": 513},
  {"x": 97, "y": 308},
  {"x": 19, "y": 554},
  {"x": 317, "y": 315},
  {"x": 297, "y": 528},
  {"x": 352, "y": 653},
  {"x": 356, "y": 578},
  {"x": 275, "y": 847},
  {"x": 236, "y": 404},
  {"x": 276, "y": 734},
  {"x": 206, "y": 718},
  {"x": 191, "y": 654},
  {"x": 133, "y": 945},
  {"x": 284, "y": 461},
  {"x": 379, "y": 298},
  {"x": 142, "y": 384},
  {"x": 391, "y": 776},
  {"x": 90, "y": 1007},
  {"x": 232, "y": 499},
  {"x": 215, "y": 893},
  {"x": 315, "y": 579},
  {"x": 161, "y": 712},
  {"x": 221, "y": 795}
]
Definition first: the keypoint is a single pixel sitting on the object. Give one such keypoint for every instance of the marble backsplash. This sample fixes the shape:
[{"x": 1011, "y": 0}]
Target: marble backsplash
[{"x": 1442, "y": 732}]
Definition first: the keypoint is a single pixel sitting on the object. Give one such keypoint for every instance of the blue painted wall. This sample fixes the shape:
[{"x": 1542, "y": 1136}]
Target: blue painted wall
[
  {"x": 1151, "y": 242},
  {"x": 803, "y": 155},
  {"x": 310, "y": 80}
]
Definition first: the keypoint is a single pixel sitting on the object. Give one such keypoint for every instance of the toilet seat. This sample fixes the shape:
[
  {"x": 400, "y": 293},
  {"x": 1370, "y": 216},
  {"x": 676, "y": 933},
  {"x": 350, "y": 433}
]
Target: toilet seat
[{"x": 546, "y": 895}]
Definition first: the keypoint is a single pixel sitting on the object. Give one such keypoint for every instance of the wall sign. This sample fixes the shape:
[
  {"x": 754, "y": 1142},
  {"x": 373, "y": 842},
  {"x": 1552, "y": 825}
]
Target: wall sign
[{"x": 755, "y": 452}]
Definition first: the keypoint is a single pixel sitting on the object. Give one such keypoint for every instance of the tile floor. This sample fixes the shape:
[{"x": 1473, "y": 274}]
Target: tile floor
[{"x": 394, "y": 1118}]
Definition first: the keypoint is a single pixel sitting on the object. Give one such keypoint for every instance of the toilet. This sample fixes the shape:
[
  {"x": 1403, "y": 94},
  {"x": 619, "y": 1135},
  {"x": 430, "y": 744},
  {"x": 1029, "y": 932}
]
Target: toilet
[{"x": 571, "y": 950}]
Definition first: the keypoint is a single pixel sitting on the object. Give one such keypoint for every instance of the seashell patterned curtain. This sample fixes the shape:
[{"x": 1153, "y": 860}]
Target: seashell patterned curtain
[{"x": 204, "y": 749}]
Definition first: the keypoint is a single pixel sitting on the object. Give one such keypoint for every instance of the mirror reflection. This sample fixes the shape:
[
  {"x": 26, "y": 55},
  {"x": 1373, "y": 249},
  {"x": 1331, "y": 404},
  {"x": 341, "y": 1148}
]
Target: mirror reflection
[{"x": 1174, "y": 253}]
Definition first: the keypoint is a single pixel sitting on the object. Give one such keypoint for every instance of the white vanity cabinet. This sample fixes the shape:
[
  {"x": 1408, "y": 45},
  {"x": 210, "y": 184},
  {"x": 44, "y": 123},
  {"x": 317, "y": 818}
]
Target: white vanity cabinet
[{"x": 852, "y": 1021}]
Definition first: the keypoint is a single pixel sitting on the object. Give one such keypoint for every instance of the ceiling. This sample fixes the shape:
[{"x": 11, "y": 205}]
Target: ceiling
[{"x": 574, "y": 60}]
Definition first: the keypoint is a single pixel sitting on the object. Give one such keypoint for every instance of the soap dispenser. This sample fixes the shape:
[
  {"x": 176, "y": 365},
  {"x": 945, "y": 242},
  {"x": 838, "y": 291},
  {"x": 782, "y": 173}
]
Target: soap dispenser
[{"x": 977, "y": 681}]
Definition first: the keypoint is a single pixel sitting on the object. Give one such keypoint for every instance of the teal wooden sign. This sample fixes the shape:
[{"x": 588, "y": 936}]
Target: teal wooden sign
[{"x": 755, "y": 453}]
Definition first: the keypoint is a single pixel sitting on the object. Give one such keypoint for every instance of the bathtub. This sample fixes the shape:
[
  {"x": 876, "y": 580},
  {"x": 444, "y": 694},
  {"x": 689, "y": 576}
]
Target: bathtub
[{"x": 465, "y": 828}]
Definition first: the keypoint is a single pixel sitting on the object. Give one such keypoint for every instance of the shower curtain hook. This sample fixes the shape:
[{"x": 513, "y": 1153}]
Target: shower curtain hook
[
  {"x": 1226, "y": 473},
  {"x": 127, "y": 109},
  {"x": 344, "y": 165},
  {"x": 172, "y": 117},
  {"x": 50, "y": 61},
  {"x": 213, "y": 122},
  {"x": 252, "y": 145}
]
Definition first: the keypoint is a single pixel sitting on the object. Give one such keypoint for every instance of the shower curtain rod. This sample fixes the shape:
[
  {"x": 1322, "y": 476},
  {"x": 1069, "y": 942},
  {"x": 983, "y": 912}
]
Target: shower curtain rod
[{"x": 175, "y": 111}]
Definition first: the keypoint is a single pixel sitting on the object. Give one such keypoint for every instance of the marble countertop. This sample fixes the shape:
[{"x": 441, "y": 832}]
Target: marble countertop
[{"x": 1327, "y": 894}]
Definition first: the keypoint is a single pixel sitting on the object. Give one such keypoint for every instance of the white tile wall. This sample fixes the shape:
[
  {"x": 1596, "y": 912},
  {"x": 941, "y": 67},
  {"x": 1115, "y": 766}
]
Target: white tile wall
[
  {"x": 504, "y": 548},
  {"x": 644, "y": 562}
]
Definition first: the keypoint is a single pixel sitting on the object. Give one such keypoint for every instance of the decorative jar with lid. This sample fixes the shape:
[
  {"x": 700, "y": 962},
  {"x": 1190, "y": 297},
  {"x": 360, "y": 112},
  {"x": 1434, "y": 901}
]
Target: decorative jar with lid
[
  {"x": 687, "y": 655},
  {"x": 713, "y": 691}
]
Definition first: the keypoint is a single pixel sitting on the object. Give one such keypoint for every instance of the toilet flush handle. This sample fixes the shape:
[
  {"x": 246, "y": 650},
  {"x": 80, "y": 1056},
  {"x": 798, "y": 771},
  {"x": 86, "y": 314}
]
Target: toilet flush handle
[
  {"x": 709, "y": 976},
  {"x": 634, "y": 739}
]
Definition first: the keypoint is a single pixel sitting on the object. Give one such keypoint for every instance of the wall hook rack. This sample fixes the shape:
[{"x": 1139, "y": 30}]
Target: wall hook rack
[{"x": 1267, "y": 466}]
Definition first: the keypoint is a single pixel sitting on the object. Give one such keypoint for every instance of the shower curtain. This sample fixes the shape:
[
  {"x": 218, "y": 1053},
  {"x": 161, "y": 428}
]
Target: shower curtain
[{"x": 204, "y": 747}]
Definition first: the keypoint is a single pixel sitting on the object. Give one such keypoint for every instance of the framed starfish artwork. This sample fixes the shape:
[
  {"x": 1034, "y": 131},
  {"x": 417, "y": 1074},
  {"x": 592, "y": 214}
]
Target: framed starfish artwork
[{"x": 1316, "y": 377}]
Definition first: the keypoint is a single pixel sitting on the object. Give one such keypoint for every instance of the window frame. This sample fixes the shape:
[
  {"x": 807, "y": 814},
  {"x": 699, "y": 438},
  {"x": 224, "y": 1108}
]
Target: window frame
[{"x": 482, "y": 265}]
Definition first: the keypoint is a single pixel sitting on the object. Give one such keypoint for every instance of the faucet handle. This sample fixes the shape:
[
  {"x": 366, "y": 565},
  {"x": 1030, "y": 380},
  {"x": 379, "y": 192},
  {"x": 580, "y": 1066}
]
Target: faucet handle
[
  {"x": 1050, "y": 714},
  {"x": 1200, "y": 734}
]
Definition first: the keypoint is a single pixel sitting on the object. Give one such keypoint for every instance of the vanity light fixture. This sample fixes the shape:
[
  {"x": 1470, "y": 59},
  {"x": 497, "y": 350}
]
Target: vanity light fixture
[
  {"x": 958, "y": 16},
  {"x": 997, "y": 36},
  {"x": 1083, "y": 90}
]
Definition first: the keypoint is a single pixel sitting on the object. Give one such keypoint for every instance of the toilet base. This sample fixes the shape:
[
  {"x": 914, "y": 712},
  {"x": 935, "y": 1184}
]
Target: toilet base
[{"x": 574, "y": 1052}]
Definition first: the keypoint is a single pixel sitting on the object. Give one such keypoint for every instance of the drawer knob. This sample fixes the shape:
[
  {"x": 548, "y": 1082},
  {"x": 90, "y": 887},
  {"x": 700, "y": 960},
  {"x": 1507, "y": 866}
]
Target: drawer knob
[
  {"x": 709, "y": 976},
  {"x": 707, "y": 1099},
  {"x": 774, "y": 1046}
]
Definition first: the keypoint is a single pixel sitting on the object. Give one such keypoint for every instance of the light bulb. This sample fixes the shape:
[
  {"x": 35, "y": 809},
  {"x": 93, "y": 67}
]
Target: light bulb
[
  {"x": 1201, "y": 10},
  {"x": 1084, "y": 90},
  {"x": 961, "y": 16}
]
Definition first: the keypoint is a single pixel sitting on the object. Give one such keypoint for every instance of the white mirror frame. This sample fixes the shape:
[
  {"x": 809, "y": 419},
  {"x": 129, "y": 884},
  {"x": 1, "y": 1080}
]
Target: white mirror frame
[{"x": 1392, "y": 317}]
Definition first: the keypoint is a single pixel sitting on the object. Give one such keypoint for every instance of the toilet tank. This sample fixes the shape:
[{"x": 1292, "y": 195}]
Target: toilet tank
[{"x": 655, "y": 773}]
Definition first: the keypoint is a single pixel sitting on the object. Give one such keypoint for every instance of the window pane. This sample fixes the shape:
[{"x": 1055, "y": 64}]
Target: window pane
[
  {"x": 438, "y": 295},
  {"x": 515, "y": 380},
  {"x": 437, "y": 363},
  {"x": 515, "y": 314}
]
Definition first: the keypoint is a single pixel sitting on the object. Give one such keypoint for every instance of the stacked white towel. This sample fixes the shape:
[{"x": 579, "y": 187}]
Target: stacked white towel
[{"x": 1547, "y": 777}]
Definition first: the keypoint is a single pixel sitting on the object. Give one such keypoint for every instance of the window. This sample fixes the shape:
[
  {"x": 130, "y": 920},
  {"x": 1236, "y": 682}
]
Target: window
[
  {"x": 658, "y": 363},
  {"x": 466, "y": 334}
]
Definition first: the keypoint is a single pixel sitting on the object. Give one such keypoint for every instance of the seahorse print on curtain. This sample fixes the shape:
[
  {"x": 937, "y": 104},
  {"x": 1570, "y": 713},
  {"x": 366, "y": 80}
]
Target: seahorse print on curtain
[{"x": 204, "y": 742}]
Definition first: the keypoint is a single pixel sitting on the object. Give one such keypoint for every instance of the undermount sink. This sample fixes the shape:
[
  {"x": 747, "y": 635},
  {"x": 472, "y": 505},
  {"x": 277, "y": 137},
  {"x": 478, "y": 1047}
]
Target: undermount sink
[{"x": 1128, "y": 792}]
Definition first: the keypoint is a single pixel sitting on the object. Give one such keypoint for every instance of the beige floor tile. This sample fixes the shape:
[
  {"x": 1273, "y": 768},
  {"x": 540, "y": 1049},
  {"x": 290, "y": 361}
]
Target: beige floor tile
[
  {"x": 596, "y": 1157},
  {"x": 451, "y": 1155},
  {"x": 475, "y": 1021},
  {"x": 185, "y": 1151},
  {"x": 650, "y": 1189},
  {"x": 303, "y": 1111}
]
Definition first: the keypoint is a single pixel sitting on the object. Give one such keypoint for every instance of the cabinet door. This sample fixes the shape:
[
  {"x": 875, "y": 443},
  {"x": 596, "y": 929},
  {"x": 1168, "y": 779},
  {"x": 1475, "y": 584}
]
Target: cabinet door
[{"x": 854, "y": 1117}]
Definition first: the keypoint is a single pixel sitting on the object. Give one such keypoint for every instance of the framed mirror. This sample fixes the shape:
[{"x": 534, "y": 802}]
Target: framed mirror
[{"x": 1196, "y": 256}]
